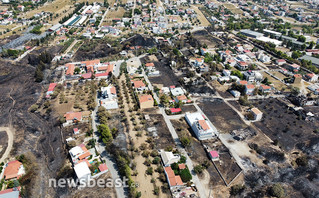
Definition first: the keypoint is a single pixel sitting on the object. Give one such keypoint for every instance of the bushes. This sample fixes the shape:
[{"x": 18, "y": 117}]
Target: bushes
[
  {"x": 237, "y": 189},
  {"x": 276, "y": 190},
  {"x": 185, "y": 175},
  {"x": 185, "y": 141},
  {"x": 36, "y": 29}
]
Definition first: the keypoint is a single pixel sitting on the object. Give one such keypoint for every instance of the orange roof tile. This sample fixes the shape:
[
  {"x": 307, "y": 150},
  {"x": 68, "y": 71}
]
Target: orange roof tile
[
  {"x": 73, "y": 115},
  {"x": 203, "y": 124},
  {"x": 181, "y": 166},
  {"x": 84, "y": 155},
  {"x": 113, "y": 90},
  {"x": 145, "y": 98},
  {"x": 103, "y": 68},
  {"x": 178, "y": 180},
  {"x": 110, "y": 68},
  {"x": 70, "y": 70},
  {"x": 138, "y": 84},
  {"x": 182, "y": 97},
  {"x": 149, "y": 64},
  {"x": 91, "y": 62},
  {"x": 12, "y": 170}
]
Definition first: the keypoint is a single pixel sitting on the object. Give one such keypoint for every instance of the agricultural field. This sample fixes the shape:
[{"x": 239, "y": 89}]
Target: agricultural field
[
  {"x": 201, "y": 17},
  {"x": 233, "y": 8}
]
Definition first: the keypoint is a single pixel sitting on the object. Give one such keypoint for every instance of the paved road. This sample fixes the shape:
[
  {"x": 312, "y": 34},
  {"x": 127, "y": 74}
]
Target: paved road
[
  {"x": 10, "y": 142},
  {"x": 120, "y": 192}
]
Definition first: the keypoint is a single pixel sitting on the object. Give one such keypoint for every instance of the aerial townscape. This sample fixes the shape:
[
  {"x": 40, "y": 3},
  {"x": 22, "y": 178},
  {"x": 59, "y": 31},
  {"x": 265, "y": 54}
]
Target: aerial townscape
[{"x": 159, "y": 98}]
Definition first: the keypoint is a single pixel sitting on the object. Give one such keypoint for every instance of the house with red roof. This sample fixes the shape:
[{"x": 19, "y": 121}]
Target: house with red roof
[
  {"x": 175, "y": 110},
  {"x": 13, "y": 170},
  {"x": 50, "y": 89},
  {"x": 173, "y": 180},
  {"x": 311, "y": 77},
  {"x": 265, "y": 89},
  {"x": 214, "y": 156},
  {"x": 139, "y": 85},
  {"x": 280, "y": 61},
  {"x": 11, "y": 193},
  {"x": 249, "y": 89},
  {"x": 242, "y": 65},
  {"x": 79, "y": 154},
  {"x": 146, "y": 101},
  {"x": 72, "y": 117}
]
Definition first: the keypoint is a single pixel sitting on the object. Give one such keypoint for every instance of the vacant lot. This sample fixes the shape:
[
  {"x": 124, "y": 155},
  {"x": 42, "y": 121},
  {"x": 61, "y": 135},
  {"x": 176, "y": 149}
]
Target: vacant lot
[
  {"x": 167, "y": 76},
  {"x": 205, "y": 37},
  {"x": 221, "y": 115},
  {"x": 283, "y": 125},
  {"x": 233, "y": 8},
  {"x": 164, "y": 136},
  {"x": 277, "y": 84},
  {"x": 115, "y": 13},
  {"x": 188, "y": 108},
  {"x": 201, "y": 17}
]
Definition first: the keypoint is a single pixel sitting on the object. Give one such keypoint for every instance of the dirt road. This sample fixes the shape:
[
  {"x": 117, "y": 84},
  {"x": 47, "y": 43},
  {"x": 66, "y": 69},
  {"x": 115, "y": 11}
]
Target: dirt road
[{"x": 10, "y": 133}]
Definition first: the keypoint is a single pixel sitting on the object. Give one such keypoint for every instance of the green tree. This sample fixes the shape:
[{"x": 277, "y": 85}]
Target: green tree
[
  {"x": 185, "y": 141},
  {"x": 105, "y": 134},
  {"x": 186, "y": 176}
]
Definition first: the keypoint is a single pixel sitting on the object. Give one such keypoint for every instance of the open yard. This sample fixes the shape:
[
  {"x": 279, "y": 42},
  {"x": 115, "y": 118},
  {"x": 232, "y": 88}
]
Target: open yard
[
  {"x": 164, "y": 136},
  {"x": 115, "y": 13},
  {"x": 277, "y": 84},
  {"x": 233, "y": 8},
  {"x": 221, "y": 115}
]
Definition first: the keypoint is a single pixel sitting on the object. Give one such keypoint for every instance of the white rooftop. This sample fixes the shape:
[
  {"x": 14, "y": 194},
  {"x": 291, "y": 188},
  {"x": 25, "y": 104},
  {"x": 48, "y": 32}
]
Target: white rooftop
[{"x": 82, "y": 170}]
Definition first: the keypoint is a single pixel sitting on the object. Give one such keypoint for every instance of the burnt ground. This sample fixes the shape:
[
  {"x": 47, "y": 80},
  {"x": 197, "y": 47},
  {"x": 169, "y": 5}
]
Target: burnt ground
[
  {"x": 283, "y": 125},
  {"x": 164, "y": 138},
  {"x": 140, "y": 40},
  {"x": 39, "y": 135},
  {"x": 167, "y": 76},
  {"x": 95, "y": 49},
  {"x": 3, "y": 142},
  {"x": 221, "y": 115},
  {"x": 9, "y": 39},
  {"x": 188, "y": 108},
  {"x": 204, "y": 37}
]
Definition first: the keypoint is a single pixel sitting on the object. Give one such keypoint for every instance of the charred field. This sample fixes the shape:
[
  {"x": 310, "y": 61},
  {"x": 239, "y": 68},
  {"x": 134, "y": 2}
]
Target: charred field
[{"x": 34, "y": 133}]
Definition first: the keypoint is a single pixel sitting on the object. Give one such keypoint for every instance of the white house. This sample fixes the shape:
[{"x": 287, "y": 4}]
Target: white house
[
  {"x": 201, "y": 127},
  {"x": 109, "y": 97},
  {"x": 82, "y": 171},
  {"x": 169, "y": 158},
  {"x": 257, "y": 114}
]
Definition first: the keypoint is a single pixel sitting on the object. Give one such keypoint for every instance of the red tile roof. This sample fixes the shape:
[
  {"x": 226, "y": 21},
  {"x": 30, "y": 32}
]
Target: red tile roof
[
  {"x": 173, "y": 180},
  {"x": 250, "y": 86},
  {"x": 149, "y": 64},
  {"x": 85, "y": 155},
  {"x": 181, "y": 166},
  {"x": 73, "y": 115},
  {"x": 182, "y": 97},
  {"x": 203, "y": 124},
  {"x": 91, "y": 62},
  {"x": 70, "y": 70},
  {"x": 138, "y": 84},
  {"x": 145, "y": 98},
  {"x": 12, "y": 170},
  {"x": 103, "y": 167},
  {"x": 102, "y": 74},
  {"x": 113, "y": 90},
  {"x": 87, "y": 75},
  {"x": 214, "y": 154},
  {"x": 175, "y": 110},
  {"x": 51, "y": 86},
  {"x": 103, "y": 68}
]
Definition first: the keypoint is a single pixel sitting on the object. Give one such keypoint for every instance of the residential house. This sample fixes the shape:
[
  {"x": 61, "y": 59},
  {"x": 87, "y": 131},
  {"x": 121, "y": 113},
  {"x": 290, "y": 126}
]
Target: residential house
[
  {"x": 265, "y": 89},
  {"x": 311, "y": 77},
  {"x": 108, "y": 97},
  {"x": 176, "y": 91},
  {"x": 82, "y": 171},
  {"x": 201, "y": 127},
  {"x": 257, "y": 114},
  {"x": 139, "y": 85},
  {"x": 11, "y": 193},
  {"x": 280, "y": 61},
  {"x": 231, "y": 62},
  {"x": 72, "y": 117},
  {"x": 146, "y": 101},
  {"x": 79, "y": 153},
  {"x": 173, "y": 180},
  {"x": 214, "y": 156},
  {"x": 181, "y": 98},
  {"x": 169, "y": 158},
  {"x": 50, "y": 89},
  {"x": 249, "y": 89},
  {"x": 294, "y": 67},
  {"x": 175, "y": 110},
  {"x": 76, "y": 131},
  {"x": 13, "y": 170},
  {"x": 242, "y": 65},
  {"x": 199, "y": 62}
]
